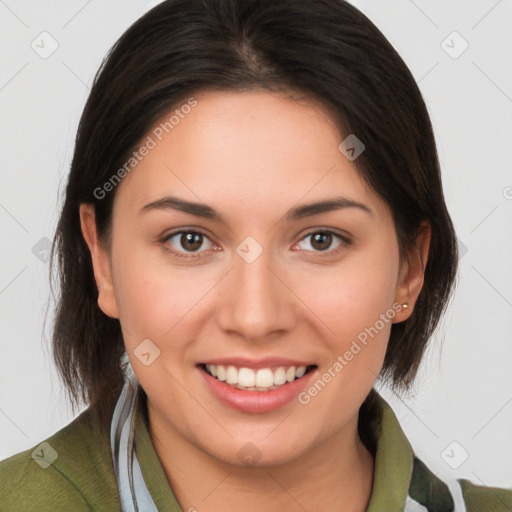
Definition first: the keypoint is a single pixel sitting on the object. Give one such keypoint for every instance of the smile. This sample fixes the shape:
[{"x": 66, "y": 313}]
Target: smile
[
  {"x": 256, "y": 387},
  {"x": 263, "y": 379}
]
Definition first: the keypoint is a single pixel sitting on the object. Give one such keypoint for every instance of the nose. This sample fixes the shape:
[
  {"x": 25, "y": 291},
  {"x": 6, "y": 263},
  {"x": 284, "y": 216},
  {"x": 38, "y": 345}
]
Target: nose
[{"x": 256, "y": 302}]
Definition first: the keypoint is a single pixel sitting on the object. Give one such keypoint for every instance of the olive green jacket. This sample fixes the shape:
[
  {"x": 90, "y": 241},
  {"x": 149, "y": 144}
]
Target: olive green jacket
[{"x": 73, "y": 471}]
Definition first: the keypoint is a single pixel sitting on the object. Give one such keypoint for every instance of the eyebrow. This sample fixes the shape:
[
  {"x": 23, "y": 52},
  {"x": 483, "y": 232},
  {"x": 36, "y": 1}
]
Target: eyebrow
[{"x": 296, "y": 213}]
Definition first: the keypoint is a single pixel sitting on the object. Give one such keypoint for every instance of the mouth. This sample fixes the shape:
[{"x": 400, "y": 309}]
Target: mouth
[{"x": 262, "y": 379}]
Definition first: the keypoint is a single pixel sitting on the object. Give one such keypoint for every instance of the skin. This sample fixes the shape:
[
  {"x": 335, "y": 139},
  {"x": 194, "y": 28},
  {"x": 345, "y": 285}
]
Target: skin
[{"x": 252, "y": 156}]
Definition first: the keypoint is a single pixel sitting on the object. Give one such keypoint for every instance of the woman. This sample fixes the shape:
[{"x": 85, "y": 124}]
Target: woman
[{"x": 254, "y": 230}]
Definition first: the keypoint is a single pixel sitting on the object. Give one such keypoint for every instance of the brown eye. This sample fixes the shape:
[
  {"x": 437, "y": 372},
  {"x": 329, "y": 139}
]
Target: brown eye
[
  {"x": 182, "y": 242},
  {"x": 322, "y": 241},
  {"x": 191, "y": 241}
]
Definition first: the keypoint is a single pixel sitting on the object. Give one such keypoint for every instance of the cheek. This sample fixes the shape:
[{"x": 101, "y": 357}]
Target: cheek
[
  {"x": 152, "y": 299},
  {"x": 352, "y": 304},
  {"x": 356, "y": 304}
]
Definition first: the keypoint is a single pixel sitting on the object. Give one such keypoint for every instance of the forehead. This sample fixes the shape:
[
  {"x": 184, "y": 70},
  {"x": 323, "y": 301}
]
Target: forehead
[{"x": 255, "y": 148}]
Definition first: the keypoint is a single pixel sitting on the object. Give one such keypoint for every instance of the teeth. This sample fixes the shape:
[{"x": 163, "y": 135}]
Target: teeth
[
  {"x": 279, "y": 376},
  {"x": 290, "y": 374},
  {"x": 262, "y": 380},
  {"x": 246, "y": 377},
  {"x": 219, "y": 370},
  {"x": 232, "y": 375}
]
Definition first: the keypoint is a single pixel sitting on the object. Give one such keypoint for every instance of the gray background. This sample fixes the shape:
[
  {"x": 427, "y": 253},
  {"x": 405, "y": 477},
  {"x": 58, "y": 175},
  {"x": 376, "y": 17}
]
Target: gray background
[{"x": 458, "y": 416}]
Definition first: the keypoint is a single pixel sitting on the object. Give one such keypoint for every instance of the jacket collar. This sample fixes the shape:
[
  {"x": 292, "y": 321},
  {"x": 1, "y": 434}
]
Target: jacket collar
[{"x": 393, "y": 459}]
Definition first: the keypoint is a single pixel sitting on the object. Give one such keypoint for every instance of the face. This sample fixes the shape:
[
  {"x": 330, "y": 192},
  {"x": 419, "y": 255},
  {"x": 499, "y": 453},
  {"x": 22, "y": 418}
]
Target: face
[{"x": 292, "y": 304}]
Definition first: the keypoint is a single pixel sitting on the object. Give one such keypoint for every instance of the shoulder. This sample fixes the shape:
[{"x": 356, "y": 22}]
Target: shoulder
[
  {"x": 442, "y": 494},
  {"x": 479, "y": 498},
  {"x": 70, "y": 470},
  {"x": 428, "y": 490}
]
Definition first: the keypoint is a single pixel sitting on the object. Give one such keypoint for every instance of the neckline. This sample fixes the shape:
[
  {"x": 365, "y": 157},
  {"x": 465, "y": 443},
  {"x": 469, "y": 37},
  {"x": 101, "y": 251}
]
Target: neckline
[{"x": 378, "y": 428}]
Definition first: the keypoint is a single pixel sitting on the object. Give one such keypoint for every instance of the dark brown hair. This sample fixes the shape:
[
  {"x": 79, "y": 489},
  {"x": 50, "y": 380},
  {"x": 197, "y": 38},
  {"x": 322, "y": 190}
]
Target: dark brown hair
[{"x": 324, "y": 49}]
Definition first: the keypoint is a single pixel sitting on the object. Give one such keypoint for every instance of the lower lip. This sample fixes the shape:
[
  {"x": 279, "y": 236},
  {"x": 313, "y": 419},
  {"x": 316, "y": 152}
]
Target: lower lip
[{"x": 255, "y": 401}]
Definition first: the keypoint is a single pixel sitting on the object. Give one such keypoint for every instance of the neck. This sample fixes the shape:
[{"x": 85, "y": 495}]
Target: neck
[{"x": 334, "y": 475}]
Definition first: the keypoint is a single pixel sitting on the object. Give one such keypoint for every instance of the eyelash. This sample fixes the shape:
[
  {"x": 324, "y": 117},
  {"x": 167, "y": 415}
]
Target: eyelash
[{"x": 344, "y": 239}]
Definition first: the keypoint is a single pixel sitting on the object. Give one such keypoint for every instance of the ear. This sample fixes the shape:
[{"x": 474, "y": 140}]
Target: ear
[
  {"x": 100, "y": 261},
  {"x": 412, "y": 273}
]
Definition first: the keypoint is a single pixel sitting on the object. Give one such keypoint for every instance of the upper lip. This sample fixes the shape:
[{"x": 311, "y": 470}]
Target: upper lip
[{"x": 256, "y": 364}]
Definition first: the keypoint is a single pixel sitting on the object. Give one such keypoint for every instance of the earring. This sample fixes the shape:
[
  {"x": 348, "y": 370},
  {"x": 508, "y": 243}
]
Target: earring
[{"x": 404, "y": 305}]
